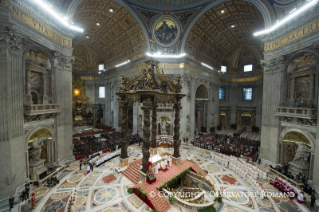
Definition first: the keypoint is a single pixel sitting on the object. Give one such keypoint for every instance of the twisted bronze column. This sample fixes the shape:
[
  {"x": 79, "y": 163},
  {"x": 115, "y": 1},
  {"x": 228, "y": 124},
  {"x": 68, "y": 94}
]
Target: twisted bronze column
[
  {"x": 124, "y": 126},
  {"x": 147, "y": 106},
  {"x": 154, "y": 126},
  {"x": 177, "y": 108}
]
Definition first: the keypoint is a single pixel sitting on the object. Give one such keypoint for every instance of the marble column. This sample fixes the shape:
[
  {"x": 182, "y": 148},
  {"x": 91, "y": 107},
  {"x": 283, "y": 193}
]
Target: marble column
[
  {"x": 292, "y": 90},
  {"x": 28, "y": 98},
  {"x": 45, "y": 90},
  {"x": 192, "y": 109},
  {"x": 107, "y": 102}
]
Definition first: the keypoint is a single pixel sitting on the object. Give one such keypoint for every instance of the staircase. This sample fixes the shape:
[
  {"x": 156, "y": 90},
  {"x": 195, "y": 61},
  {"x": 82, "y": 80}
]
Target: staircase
[
  {"x": 133, "y": 171},
  {"x": 160, "y": 203}
]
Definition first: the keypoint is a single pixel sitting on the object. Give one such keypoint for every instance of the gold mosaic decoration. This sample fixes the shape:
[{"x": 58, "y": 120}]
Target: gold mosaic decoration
[
  {"x": 297, "y": 138},
  {"x": 41, "y": 133}
]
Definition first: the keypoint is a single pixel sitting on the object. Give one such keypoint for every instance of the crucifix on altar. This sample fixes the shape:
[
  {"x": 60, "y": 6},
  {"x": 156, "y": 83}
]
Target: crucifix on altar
[{"x": 150, "y": 87}]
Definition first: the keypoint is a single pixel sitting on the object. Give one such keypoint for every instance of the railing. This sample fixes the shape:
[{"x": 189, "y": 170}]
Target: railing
[
  {"x": 292, "y": 182},
  {"x": 297, "y": 112},
  {"x": 44, "y": 180},
  {"x": 303, "y": 104},
  {"x": 41, "y": 109}
]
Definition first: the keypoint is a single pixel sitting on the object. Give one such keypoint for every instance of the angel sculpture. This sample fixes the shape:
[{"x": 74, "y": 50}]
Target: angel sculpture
[
  {"x": 123, "y": 83},
  {"x": 35, "y": 152},
  {"x": 177, "y": 82},
  {"x": 302, "y": 154}
]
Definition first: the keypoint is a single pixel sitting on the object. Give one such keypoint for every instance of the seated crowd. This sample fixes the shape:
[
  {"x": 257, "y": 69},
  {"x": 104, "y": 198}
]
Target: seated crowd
[
  {"x": 88, "y": 145},
  {"x": 134, "y": 139},
  {"x": 106, "y": 158},
  {"x": 227, "y": 144}
]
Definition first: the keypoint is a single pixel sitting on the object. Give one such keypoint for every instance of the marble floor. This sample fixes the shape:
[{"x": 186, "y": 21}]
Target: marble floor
[{"x": 104, "y": 190}]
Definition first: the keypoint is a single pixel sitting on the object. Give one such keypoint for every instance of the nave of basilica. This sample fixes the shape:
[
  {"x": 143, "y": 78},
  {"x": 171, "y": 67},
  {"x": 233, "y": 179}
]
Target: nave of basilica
[{"x": 159, "y": 105}]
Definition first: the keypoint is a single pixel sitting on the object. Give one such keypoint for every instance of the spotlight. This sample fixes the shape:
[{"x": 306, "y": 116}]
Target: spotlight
[
  {"x": 111, "y": 10},
  {"x": 222, "y": 11},
  {"x": 232, "y": 26},
  {"x": 97, "y": 24},
  {"x": 87, "y": 37}
]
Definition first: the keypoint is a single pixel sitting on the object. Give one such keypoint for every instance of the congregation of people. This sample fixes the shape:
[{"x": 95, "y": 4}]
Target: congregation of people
[
  {"x": 88, "y": 145},
  {"x": 244, "y": 169},
  {"x": 132, "y": 139},
  {"x": 100, "y": 160},
  {"x": 226, "y": 144}
]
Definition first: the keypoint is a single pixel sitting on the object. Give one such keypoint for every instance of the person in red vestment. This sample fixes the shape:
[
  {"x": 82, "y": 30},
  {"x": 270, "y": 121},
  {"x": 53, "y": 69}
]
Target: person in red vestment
[{"x": 33, "y": 201}]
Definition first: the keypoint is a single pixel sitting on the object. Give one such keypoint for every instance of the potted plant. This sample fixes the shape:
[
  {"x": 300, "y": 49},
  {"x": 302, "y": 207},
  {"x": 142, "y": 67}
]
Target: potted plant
[
  {"x": 219, "y": 198},
  {"x": 130, "y": 190},
  {"x": 171, "y": 198}
]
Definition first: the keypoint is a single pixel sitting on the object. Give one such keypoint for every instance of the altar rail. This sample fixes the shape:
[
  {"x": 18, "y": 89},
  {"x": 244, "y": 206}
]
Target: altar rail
[
  {"x": 189, "y": 205},
  {"x": 41, "y": 109},
  {"x": 292, "y": 182},
  {"x": 309, "y": 113}
]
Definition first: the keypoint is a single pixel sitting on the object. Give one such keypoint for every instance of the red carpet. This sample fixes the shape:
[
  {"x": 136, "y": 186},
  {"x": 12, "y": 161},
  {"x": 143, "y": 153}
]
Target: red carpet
[{"x": 159, "y": 203}]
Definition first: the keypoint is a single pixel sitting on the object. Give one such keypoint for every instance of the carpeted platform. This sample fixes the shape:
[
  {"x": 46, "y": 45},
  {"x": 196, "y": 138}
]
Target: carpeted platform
[{"x": 159, "y": 202}]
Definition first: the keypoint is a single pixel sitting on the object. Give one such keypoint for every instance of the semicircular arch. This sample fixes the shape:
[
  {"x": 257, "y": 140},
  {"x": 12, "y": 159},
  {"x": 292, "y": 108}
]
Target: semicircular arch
[
  {"x": 201, "y": 92},
  {"x": 307, "y": 134},
  {"x": 34, "y": 130},
  {"x": 261, "y": 6}
]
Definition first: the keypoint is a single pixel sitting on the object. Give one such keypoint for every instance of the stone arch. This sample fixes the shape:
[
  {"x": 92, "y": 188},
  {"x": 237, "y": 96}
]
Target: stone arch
[
  {"x": 47, "y": 52},
  {"x": 202, "y": 92},
  {"x": 307, "y": 134},
  {"x": 259, "y": 4},
  {"x": 291, "y": 58},
  {"x": 74, "y": 4},
  {"x": 31, "y": 132}
]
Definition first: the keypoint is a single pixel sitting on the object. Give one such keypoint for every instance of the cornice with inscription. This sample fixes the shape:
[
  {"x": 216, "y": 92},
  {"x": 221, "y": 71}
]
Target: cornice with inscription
[
  {"x": 44, "y": 17},
  {"x": 292, "y": 25}
]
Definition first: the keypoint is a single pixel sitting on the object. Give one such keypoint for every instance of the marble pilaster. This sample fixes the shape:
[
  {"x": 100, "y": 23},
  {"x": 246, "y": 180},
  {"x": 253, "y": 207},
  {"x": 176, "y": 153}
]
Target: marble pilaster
[
  {"x": 62, "y": 69},
  {"x": 45, "y": 89},
  {"x": 192, "y": 109},
  {"x": 12, "y": 143}
]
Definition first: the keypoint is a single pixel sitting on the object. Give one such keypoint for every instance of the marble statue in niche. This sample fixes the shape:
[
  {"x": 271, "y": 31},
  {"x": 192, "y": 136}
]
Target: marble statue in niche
[
  {"x": 36, "y": 148},
  {"x": 302, "y": 154},
  {"x": 164, "y": 127}
]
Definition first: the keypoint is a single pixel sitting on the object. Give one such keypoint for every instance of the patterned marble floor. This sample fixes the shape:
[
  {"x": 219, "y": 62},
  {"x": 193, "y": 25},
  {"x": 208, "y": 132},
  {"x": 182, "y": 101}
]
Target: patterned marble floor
[{"x": 104, "y": 190}]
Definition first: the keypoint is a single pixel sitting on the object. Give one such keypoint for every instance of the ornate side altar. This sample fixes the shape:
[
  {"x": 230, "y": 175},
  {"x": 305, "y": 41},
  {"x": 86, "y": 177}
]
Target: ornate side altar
[{"x": 150, "y": 87}]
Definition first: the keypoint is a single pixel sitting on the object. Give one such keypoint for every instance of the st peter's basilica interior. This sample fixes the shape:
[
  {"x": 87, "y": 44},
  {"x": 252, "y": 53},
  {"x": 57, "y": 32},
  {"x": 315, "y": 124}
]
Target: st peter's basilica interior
[{"x": 159, "y": 105}]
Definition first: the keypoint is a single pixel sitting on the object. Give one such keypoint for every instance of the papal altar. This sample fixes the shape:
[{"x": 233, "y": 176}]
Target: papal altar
[{"x": 164, "y": 141}]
